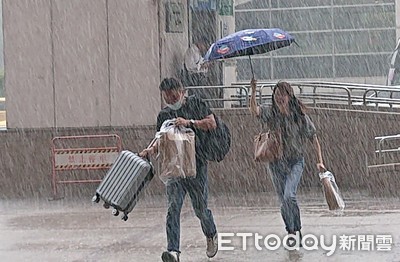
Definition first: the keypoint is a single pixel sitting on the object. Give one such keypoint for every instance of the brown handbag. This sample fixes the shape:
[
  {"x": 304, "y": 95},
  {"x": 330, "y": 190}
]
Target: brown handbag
[{"x": 268, "y": 146}]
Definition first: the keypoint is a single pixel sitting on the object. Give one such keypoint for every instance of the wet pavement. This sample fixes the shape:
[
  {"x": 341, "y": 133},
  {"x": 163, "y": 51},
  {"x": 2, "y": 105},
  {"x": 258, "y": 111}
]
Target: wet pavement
[{"x": 72, "y": 230}]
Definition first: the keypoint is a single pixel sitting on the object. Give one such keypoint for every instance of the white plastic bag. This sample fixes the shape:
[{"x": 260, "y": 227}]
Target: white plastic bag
[
  {"x": 331, "y": 190},
  {"x": 176, "y": 151}
]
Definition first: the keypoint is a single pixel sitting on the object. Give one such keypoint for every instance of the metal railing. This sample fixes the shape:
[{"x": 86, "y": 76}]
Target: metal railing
[
  {"x": 236, "y": 95},
  {"x": 381, "y": 101},
  {"x": 387, "y": 149},
  {"x": 314, "y": 93}
]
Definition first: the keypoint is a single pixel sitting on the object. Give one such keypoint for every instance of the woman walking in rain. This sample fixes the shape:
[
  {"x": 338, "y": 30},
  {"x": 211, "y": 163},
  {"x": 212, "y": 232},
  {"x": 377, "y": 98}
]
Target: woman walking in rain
[{"x": 287, "y": 115}]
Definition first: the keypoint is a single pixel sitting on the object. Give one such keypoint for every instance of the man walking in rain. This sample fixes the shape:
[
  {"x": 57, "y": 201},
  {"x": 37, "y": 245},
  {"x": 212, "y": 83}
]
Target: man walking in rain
[
  {"x": 195, "y": 71},
  {"x": 190, "y": 112}
]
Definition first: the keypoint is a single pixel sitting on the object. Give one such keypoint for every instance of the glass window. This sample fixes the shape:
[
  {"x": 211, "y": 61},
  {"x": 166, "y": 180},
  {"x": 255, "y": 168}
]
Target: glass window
[
  {"x": 302, "y": 19},
  {"x": 299, "y": 3},
  {"x": 255, "y": 4},
  {"x": 328, "y": 27},
  {"x": 309, "y": 44},
  {"x": 303, "y": 67},
  {"x": 261, "y": 67},
  {"x": 361, "y": 65},
  {"x": 361, "y": 2},
  {"x": 247, "y": 20},
  {"x": 364, "y": 17},
  {"x": 364, "y": 41}
]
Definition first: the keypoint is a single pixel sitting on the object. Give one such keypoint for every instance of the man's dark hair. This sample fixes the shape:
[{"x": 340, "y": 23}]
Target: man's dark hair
[{"x": 170, "y": 84}]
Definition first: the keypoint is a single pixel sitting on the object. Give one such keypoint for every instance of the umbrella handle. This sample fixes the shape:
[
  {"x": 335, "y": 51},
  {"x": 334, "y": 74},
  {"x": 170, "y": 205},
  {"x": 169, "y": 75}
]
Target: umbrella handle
[{"x": 251, "y": 67}]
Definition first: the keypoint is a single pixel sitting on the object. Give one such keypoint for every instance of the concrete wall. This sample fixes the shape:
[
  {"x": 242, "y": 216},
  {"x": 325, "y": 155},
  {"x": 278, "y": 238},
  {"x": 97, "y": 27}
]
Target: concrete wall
[
  {"x": 80, "y": 51},
  {"x": 28, "y": 63},
  {"x": 81, "y": 62},
  {"x": 388, "y": 179},
  {"x": 346, "y": 136},
  {"x": 173, "y": 44},
  {"x": 134, "y": 62}
]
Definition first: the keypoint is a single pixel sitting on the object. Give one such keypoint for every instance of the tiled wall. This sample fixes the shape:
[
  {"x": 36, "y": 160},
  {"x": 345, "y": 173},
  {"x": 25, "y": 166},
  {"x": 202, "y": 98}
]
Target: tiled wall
[{"x": 346, "y": 136}]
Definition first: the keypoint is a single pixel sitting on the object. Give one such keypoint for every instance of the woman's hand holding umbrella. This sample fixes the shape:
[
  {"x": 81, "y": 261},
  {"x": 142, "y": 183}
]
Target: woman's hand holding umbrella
[{"x": 253, "y": 85}]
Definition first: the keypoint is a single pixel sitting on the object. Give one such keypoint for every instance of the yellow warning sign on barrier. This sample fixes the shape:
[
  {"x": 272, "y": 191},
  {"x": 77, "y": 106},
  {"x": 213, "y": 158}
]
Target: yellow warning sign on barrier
[{"x": 85, "y": 159}]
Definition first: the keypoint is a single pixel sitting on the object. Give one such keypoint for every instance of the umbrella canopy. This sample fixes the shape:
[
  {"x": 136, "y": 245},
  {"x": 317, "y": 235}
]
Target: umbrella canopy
[{"x": 248, "y": 42}]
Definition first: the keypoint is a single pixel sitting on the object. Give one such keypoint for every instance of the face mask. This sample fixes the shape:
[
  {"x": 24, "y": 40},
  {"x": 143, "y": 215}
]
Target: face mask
[{"x": 177, "y": 105}]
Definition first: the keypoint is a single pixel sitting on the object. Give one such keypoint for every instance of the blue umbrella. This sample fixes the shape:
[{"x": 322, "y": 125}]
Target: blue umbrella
[{"x": 248, "y": 42}]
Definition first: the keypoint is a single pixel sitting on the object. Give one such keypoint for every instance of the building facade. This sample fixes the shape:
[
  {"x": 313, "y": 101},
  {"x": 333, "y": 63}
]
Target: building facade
[
  {"x": 341, "y": 40},
  {"x": 83, "y": 63},
  {"x": 90, "y": 63}
]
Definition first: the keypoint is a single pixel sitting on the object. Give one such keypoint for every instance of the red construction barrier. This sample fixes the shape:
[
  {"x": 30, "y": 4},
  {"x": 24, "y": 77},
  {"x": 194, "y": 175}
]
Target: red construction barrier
[{"x": 68, "y": 154}]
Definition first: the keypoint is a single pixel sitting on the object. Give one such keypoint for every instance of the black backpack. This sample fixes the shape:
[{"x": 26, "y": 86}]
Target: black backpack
[{"x": 217, "y": 142}]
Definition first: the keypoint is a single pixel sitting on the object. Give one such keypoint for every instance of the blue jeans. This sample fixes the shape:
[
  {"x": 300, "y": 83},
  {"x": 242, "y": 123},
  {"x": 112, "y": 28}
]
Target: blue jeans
[
  {"x": 198, "y": 192},
  {"x": 286, "y": 175}
]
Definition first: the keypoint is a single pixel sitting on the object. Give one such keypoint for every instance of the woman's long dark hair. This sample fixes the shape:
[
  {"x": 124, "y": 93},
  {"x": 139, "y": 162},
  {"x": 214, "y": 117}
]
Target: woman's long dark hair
[{"x": 296, "y": 107}]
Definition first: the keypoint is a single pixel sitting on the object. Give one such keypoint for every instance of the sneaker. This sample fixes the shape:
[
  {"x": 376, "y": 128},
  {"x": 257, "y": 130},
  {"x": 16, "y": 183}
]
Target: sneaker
[
  {"x": 170, "y": 256},
  {"x": 212, "y": 246}
]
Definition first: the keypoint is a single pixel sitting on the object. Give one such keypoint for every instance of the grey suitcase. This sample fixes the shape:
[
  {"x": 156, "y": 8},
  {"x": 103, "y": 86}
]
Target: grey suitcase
[{"x": 123, "y": 183}]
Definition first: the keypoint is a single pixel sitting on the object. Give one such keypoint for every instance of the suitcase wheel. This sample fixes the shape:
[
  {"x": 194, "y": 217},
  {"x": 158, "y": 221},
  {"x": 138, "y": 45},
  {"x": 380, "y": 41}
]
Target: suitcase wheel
[
  {"x": 125, "y": 217},
  {"x": 115, "y": 212},
  {"x": 106, "y": 206},
  {"x": 96, "y": 198}
]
